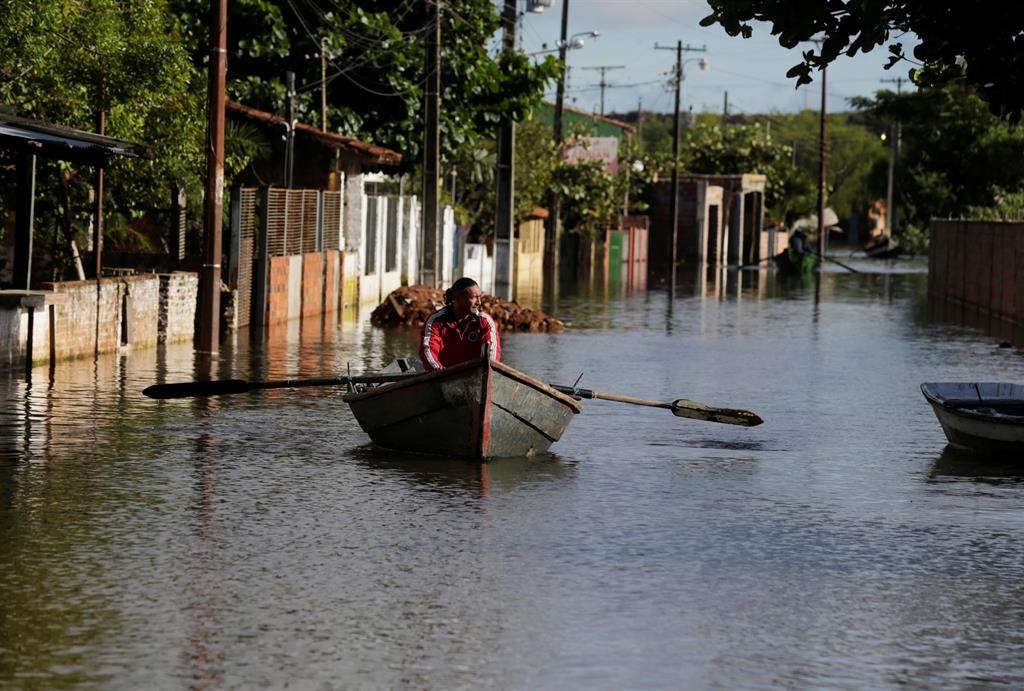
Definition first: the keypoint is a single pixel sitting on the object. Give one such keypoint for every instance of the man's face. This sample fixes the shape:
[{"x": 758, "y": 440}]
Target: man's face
[{"x": 467, "y": 301}]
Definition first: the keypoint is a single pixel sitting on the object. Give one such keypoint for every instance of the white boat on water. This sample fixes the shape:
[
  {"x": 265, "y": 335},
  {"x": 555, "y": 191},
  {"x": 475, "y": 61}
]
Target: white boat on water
[{"x": 982, "y": 417}]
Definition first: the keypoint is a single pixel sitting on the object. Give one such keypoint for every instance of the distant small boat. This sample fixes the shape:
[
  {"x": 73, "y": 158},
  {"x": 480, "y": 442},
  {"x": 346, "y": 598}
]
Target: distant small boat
[
  {"x": 478, "y": 409},
  {"x": 790, "y": 261},
  {"x": 883, "y": 247},
  {"x": 987, "y": 418}
]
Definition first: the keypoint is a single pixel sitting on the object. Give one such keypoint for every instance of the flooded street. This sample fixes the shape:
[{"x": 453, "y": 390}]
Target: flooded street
[{"x": 259, "y": 541}]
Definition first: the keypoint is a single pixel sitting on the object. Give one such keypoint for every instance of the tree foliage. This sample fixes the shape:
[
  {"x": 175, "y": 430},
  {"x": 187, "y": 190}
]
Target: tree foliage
[
  {"x": 979, "y": 43},
  {"x": 957, "y": 159},
  {"x": 376, "y": 69},
  {"x": 64, "y": 62}
]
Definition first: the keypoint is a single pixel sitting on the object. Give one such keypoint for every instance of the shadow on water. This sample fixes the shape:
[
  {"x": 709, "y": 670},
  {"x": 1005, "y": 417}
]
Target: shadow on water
[
  {"x": 450, "y": 473},
  {"x": 955, "y": 465}
]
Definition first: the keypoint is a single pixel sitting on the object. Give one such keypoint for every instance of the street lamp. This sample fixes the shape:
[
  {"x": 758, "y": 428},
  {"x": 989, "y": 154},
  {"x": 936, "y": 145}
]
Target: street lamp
[{"x": 574, "y": 42}]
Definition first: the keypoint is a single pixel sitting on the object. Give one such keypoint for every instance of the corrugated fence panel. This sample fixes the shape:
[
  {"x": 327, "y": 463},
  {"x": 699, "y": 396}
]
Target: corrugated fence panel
[
  {"x": 277, "y": 222},
  {"x": 246, "y": 250},
  {"x": 309, "y": 218},
  {"x": 332, "y": 220}
]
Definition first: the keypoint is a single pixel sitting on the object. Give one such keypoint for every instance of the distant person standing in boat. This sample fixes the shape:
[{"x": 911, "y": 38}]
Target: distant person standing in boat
[{"x": 458, "y": 331}]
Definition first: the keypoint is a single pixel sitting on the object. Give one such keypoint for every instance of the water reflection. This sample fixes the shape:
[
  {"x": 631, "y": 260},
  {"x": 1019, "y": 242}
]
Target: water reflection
[
  {"x": 456, "y": 474},
  {"x": 259, "y": 541},
  {"x": 956, "y": 465}
]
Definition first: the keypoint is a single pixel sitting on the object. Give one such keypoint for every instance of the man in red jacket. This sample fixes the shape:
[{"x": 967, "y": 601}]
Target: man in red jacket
[{"x": 458, "y": 331}]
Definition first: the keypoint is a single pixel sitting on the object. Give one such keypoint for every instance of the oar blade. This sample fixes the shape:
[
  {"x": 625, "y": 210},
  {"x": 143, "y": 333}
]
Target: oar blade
[
  {"x": 191, "y": 389},
  {"x": 726, "y": 416}
]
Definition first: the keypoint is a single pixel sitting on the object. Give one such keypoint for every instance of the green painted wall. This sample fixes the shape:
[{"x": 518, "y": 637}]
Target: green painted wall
[{"x": 572, "y": 120}]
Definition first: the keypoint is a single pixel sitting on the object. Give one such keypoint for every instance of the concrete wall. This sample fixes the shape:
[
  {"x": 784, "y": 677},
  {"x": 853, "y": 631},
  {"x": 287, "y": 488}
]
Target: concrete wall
[
  {"x": 976, "y": 275},
  {"x": 179, "y": 294},
  {"x": 74, "y": 319}
]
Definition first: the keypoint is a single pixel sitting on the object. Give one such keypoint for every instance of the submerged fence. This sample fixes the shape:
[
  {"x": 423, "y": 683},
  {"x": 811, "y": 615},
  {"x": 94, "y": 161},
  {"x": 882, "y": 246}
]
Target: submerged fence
[
  {"x": 272, "y": 229},
  {"x": 976, "y": 274}
]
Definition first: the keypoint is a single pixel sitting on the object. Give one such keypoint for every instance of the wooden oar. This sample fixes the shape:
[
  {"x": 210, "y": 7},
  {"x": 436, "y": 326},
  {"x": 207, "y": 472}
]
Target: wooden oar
[
  {"x": 835, "y": 261},
  {"x": 225, "y": 387},
  {"x": 680, "y": 407}
]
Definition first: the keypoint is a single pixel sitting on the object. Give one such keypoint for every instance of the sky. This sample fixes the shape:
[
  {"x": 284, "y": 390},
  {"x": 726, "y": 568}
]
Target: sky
[{"x": 752, "y": 71}]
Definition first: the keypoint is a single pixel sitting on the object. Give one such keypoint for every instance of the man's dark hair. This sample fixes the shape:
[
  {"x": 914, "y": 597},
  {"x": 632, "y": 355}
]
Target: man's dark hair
[{"x": 458, "y": 286}]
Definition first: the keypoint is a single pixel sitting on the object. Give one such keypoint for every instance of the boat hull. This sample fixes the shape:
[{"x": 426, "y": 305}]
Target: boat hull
[
  {"x": 480, "y": 409},
  {"x": 985, "y": 418},
  {"x": 790, "y": 262}
]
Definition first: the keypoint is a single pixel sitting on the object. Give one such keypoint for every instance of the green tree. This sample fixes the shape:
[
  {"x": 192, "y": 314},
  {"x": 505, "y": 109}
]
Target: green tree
[
  {"x": 978, "y": 43},
  {"x": 854, "y": 153},
  {"x": 957, "y": 158},
  {"x": 376, "y": 70},
  {"x": 64, "y": 62}
]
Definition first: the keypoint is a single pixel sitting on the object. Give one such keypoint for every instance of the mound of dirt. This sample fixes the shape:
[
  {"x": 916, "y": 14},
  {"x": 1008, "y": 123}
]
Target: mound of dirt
[{"x": 411, "y": 305}]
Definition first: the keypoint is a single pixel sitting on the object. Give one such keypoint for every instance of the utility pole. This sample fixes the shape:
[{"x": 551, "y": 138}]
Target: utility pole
[
  {"x": 97, "y": 226},
  {"x": 640, "y": 124},
  {"x": 506, "y": 173},
  {"x": 430, "y": 267},
  {"x": 289, "y": 116},
  {"x": 822, "y": 169},
  {"x": 208, "y": 333},
  {"x": 323, "y": 84},
  {"x": 553, "y": 230},
  {"x": 674, "y": 243},
  {"x": 602, "y": 83},
  {"x": 895, "y": 134},
  {"x": 725, "y": 110}
]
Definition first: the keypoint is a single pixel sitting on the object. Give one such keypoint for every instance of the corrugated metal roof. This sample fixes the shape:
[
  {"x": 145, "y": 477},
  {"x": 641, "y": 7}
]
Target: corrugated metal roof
[{"x": 64, "y": 143}]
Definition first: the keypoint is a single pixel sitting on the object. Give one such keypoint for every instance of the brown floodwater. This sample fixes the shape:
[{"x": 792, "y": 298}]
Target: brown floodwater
[{"x": 258, "y": 540}]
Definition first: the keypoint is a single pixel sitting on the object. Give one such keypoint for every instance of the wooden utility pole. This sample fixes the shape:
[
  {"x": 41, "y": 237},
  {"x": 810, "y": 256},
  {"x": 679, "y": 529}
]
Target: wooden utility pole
[
  {"x": 97, "y": 221},
  {"x": 553, "y": 229},
  {"x": 822, "y": 168},
  {"x": 289, "y": 116},
  {"x": 674, "y": 243},
  {"x": 504, "y": 237},
  {"x": 602, "y": 83},
  {"x": 208, "y": 333},
  {"x": 323, "y": 84},
  {"x": 640, "y": 124},
  {"x": 430, "y": 257}
]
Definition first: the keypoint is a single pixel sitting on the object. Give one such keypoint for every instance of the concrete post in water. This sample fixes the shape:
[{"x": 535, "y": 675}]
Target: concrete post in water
[
  {"x": 208, "y": 327},
  {"x": 261, "y": 269}
]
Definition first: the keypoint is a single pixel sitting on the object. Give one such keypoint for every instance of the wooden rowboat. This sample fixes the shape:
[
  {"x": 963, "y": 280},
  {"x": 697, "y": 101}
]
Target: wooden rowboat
[
  {"x": 789, "y": 261},
  {"x": 479, "y": 409},
  {"x": 987, "y": 418},
  {"x": 883, "y": 248}
]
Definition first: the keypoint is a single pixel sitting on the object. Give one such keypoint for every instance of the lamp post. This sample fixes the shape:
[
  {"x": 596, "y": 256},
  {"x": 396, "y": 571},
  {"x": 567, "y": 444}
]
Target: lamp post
[{"x": 574, "y": 42}]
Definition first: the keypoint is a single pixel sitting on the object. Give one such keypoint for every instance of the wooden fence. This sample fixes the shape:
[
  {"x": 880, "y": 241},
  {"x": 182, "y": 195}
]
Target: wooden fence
[{"x": 976, "y": 275}]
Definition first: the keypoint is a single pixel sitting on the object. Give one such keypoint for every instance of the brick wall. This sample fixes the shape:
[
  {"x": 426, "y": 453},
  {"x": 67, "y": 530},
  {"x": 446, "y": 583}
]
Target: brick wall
[{"x": 179, "y": 294}]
